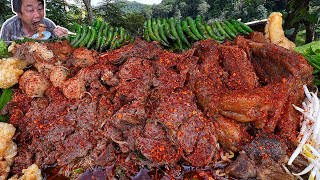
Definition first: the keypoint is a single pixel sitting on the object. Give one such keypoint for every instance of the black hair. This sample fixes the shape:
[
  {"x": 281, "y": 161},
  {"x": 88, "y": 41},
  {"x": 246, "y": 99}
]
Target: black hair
[{"x": 16, "y": 5}]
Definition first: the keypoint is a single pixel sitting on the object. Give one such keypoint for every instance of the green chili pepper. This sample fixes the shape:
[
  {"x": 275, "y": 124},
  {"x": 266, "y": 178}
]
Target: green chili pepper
[
  {"x": 78, "y": 35},
  {"x": 216, "y": 30},
  {"x": 100, "y": 36},
  {"x": 161, "y": 32},
  {"x": 180, "y": 33},
  {"x": 174, "y": 31},
  {"x": 193, "y": 28},
  {"x": 238, "y": 27},
  {"x": 114, "y": 39},
  {"x": 98, "y": 24},
  {"x": 145, "y": 32},
  {"x": 109, "y": 39},
  {"x": 151, "y": 34},
  {"x": 228, "y": 30},
  {"x": 167, "y": 31},
  {"x": 185, "y": 28},
  {"x": 245, "y": 27},
  {"x": 87, "y": 38},
  {"x": 103, "y": 39},
  {"x": 155, "y": 29},
  {"x": 231, "y": 27},
  {"x": 92, "y": 38},
  {"x": 84, "y": 33},
  {"x": 121, "y": 36},
  {"x": 221, "y": 30},
  {"x": 200, "y": 26},
  {"x": 211, "y": 33}
]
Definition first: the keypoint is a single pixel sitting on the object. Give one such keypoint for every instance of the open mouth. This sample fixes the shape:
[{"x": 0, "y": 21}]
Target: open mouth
[{"x": 36, "y": 24}]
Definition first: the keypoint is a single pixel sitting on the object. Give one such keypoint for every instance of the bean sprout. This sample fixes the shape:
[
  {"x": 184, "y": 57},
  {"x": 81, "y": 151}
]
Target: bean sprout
[{"x": 309, "y": 135}]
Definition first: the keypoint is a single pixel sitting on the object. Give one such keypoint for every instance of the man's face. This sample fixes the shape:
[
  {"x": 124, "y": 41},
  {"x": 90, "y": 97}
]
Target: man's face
[{"x": 32, "y": 12}]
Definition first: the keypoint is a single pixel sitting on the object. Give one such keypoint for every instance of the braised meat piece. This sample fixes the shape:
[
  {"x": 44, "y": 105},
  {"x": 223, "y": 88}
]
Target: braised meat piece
[
  {"x": 290, "y": 61},
  {"x": 262, "y": 159},
  {"x": 139, "y": 48},
  {"x": 243, "y": 167},
  {"x": 179, "y": 115},
  {"x": 159, "y": 152},
  {"x": 240, "y": 70},
  {"x": 254, "y": 105},
  {"x": 61, "y": 50},
  {"x": 231, "y": 134},
  {"x": 136, "y": 68}
]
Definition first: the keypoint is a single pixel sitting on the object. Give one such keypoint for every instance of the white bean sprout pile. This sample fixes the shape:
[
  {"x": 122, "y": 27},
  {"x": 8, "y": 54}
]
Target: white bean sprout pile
[{"x": 309, "y": 136}]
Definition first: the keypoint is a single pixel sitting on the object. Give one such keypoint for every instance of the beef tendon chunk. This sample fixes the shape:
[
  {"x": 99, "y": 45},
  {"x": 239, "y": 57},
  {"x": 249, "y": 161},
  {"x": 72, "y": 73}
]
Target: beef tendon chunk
[
  {"x": 58, "y": 75},
  {"x": 109, "y": 78},
  {"x": 33, "y": 83},
  {"x": 84, "y": 57},
  {"x": 243, "y": 167},
  {"x": 74, "y": 88}
]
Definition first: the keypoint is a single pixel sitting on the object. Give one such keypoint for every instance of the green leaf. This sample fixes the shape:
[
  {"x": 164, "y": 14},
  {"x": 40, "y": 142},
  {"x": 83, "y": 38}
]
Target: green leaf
[
  {"x": 289, "y": 31},
  {"x": 304, "y": 49},
  {"x": 312, "y": 18},
  {"x": 78, "y": 171},
  {"x": 5, "y": 97},
  {"x": 4, "y": 118}
]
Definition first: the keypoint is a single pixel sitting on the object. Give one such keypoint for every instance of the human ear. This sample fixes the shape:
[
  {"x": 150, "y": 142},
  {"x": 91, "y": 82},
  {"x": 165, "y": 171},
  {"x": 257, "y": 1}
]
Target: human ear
[{"x": 19, "y": 14}]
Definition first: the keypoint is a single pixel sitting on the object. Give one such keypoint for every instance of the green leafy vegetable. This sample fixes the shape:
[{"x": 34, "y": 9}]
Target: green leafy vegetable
[
  {"x": 313, "y": 47},
  {"x": 5, "y": 97},
  {"x": 4, "y": 118},
  {"x": 3, "y": 49},
  {"x": 311, "y": 52},
  {"x": 78, "y": 171}
]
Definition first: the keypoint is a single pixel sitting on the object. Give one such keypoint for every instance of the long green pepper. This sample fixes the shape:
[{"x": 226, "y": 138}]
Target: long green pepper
[
  {"x": 200, "y": 26},
  {"x": 211, "y": 33},
  {"x": 221, "y": 30},
  {"x": 155, "y": 29},
  {"x": 162, "y": 34},
  {"x": 193, "y": 28},
  {"x": 151, "y": 34},
  {"x": 78, "y": 35},
  {"x": 92, "y": 38},
  {"x": 167, "y": 31},
  {"x": 145, "y": 32},
  {"x": 185, "y": 28},
  {"x": 84, "y": 32},
  {"x": 174, "y": 32},
  {"x": 238, "y": 27},
  {"x": 228, "y": 30},
  {"x": 180, "y": 33}
]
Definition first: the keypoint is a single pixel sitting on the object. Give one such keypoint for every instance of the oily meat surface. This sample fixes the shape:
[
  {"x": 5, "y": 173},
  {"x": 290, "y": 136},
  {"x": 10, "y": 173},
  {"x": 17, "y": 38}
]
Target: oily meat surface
[{"x": 142, "y": 105}]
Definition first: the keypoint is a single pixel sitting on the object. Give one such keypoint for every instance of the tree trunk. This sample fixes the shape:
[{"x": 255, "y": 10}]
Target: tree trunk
[
  {"x": 87, "y": 3},
  {"x": 310, "y": 28},
  {"x": 292, "y": 13}
]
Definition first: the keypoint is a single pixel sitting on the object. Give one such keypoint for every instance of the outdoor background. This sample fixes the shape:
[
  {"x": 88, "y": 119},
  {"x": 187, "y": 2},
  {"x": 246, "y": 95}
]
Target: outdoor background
[{"x": 301, "y": 16}]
